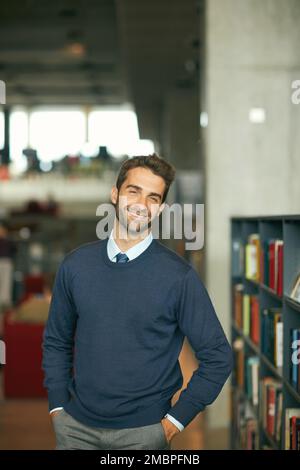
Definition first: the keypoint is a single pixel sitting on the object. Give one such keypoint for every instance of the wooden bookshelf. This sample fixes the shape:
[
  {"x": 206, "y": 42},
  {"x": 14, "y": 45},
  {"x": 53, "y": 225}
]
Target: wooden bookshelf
[{"x": 287, "y": 229}]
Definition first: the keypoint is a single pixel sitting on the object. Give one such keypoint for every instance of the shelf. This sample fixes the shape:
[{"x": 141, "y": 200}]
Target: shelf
[
  {"x": 271, "y": 292},
  {"x": 252, "y": 281},
  {"x": 263, "y": 287},
  {"x": 292, "y": 303},
  {"x": 276, "y": 371},
  {"x": 270, "y": 439},
  {"x": 256, "y": 349},
  {"x": 286, "y": 228},
  {"x": 292, "y": 391},
  {"x": 255, "y": 413},
  {"x": 247, "y": 339},
  {"x": 263, "y": 218}
]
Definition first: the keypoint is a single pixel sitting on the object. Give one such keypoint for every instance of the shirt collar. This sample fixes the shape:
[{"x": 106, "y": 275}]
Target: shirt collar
[{"x": 133, "y": 252}]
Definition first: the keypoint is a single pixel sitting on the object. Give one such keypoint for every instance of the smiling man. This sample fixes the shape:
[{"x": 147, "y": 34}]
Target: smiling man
[{"x": 119, "y": 313}]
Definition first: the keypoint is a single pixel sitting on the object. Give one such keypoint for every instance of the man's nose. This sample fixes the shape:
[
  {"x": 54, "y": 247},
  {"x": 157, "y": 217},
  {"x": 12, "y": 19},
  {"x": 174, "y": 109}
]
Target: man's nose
[{"x": 141, "y": 202}]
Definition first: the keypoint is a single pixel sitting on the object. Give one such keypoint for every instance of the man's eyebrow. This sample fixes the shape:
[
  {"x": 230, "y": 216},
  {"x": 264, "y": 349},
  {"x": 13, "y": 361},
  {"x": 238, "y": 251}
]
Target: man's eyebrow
[{"x": 138, "y": 188}]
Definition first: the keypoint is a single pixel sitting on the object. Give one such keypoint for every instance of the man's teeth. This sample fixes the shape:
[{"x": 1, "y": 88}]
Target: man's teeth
[{"x": 141, "y": 216}]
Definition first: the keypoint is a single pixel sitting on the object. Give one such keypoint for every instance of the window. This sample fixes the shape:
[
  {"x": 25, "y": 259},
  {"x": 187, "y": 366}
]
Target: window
[
  {"x": 118, "y": 131},
  {"x": 18, "y": 137},
  {"x": 58, "y": 131},
  {"x": 55, "y": 133}
]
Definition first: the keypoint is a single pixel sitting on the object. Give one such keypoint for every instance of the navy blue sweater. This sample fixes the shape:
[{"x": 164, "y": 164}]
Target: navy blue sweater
[{"x": 114, "y": 334}]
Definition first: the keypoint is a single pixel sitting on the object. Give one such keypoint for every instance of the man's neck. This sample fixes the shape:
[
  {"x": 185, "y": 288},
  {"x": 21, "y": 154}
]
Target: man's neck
[{"x": 123, "y": 238}]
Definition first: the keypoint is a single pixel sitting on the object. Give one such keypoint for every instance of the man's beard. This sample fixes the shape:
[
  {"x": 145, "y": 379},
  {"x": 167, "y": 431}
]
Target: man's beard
[{"x": 131, "y": 227}]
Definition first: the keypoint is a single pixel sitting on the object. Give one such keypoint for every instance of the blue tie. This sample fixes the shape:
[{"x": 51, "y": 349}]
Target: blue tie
[{"x": 122, "y": 258}]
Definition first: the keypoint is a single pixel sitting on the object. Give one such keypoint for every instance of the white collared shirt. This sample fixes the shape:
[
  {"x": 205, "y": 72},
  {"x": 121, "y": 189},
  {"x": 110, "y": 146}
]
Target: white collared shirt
[{"x": 133, "y": 252}]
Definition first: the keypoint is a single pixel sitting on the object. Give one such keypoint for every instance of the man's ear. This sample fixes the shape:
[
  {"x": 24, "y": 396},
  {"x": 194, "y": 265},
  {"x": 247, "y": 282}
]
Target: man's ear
[{"x": 114, "y": 194}]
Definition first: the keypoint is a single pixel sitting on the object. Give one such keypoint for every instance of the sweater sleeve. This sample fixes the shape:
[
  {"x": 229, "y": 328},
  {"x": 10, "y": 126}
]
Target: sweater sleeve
[
  {"x": 58, "y": 340},
  {"x": 198, "y": 321}
]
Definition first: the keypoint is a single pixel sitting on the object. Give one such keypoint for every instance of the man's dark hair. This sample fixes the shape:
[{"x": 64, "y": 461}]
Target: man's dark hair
[{"x": 156, "y": 164}]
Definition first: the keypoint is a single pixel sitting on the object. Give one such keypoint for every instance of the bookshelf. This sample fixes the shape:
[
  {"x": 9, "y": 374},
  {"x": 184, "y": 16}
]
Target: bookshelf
[{"x": 265, "y": 265}]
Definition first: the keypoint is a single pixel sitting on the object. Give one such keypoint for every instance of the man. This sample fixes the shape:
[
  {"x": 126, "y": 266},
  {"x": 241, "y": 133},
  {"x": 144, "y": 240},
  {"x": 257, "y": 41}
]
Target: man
[{"x": 119, "y": 313}]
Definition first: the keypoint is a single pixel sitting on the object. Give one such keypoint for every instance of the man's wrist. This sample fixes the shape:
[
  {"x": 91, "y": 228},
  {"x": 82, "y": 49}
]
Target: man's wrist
[
  {"x": 171, "y": 418},
  {"x": 54, "y": 410}
]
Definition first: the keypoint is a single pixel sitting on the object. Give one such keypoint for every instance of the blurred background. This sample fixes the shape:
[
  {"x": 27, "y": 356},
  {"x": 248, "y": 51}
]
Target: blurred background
[{"x": 205, "y": 84}]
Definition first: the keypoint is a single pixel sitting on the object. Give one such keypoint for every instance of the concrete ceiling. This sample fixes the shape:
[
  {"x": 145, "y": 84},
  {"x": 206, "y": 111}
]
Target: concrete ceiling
[
  {"x": 99, "y": 52},
  {"x": 160, "y": 47}
]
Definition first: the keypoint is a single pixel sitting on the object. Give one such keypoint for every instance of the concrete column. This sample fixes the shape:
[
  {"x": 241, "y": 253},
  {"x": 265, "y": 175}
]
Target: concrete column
[{"x": 252, "y": 57}]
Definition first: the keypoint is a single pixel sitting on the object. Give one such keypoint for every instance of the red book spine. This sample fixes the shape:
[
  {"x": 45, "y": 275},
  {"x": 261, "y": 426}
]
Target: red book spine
[
  {"x": 255, "y": 320},
  {"x": 280, "y": 270},
  {"x": 272, "y": 265}
]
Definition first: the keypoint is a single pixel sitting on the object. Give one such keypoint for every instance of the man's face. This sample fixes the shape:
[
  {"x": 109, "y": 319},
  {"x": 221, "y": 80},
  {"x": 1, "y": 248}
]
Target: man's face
[{"x": 139, "y": 200}]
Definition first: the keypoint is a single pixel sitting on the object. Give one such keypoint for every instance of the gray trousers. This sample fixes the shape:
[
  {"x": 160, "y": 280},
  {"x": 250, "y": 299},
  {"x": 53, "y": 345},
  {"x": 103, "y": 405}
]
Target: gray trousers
[{"x": 71, "y": 434}]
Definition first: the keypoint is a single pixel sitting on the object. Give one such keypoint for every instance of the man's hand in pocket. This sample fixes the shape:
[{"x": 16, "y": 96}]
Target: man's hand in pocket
[
  {"x": 170, "y": 429},
  {"x": 55, "y": 413}
]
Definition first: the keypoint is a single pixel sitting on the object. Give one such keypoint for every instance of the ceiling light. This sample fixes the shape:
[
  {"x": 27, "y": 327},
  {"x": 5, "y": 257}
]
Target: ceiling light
[{"x": 257, "y": 115}]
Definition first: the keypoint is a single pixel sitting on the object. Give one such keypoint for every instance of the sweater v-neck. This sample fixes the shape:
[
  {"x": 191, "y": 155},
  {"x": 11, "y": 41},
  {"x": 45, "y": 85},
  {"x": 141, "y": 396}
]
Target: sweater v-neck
[{"x": 131, "y": 263}]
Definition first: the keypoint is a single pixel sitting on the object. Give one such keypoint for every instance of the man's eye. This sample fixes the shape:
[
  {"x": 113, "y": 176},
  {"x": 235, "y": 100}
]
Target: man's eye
[{"x": 132, "y": 191}]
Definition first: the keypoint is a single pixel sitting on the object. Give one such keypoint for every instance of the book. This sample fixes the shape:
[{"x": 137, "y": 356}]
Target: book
[
  {"x": 239, "y": 361},
  {"x": 246, "y": 314},
  {"x": 251, "y": 432},
  {"x": 278, "y": 340},
  {"x": 278, "y": 264},
  {"x": 280, "y": 270},
  {"x": 297, "y": 431},
  {"x": 265, "y": 262},
  {"x": 238, "y": 305},
  {"x": 237, "y": 257},
  {"x": 295, "y": 358},
  {"x": 271, "y": 407},
  {"x": 272, "y": 336},
  {"x": 278, "y": 424},
  {"x": 272, "y": 265},
  {"x": 252, "y": 257},
  {"x": 255, "y": 320},
  {"x": 245, "y": 424},
  {"x": 252, "y": 379},
  {"x": 292, "y": 428},
  {"x": 271, "y": 401}
]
